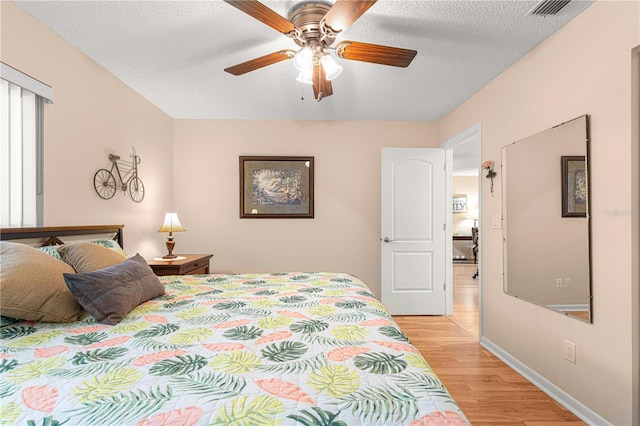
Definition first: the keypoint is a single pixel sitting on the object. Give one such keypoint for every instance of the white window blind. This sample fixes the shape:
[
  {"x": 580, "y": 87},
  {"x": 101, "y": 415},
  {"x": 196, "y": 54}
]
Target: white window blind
[{"x": 21, "y": 148}]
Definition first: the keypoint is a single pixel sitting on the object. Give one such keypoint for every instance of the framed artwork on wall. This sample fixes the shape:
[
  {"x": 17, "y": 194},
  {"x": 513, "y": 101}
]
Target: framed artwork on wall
[
  {"x": 276, "y": 187},
  {"x": 459, "y": 204},
  {"x": 574, "y": 186}
]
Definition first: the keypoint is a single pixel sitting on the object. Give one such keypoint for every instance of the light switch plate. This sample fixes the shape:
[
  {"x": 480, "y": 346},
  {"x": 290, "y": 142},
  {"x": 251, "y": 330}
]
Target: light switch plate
[{"x": 496, "y": 221}]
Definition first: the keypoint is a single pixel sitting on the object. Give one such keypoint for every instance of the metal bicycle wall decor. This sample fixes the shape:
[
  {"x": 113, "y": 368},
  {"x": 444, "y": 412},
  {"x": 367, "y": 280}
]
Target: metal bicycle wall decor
[{"x": 125, "y": 178}]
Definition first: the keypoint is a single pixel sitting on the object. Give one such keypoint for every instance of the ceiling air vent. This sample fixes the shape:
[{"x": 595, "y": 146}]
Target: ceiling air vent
[{"x": 548, "y": 7}]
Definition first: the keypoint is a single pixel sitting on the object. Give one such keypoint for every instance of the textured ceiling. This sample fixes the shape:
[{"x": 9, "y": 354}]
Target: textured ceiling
[{"x": 173, "y": 53}]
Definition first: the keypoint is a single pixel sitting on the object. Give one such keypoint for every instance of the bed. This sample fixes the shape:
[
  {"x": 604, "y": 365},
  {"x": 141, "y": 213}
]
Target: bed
[{"x": 223, "y": 349}]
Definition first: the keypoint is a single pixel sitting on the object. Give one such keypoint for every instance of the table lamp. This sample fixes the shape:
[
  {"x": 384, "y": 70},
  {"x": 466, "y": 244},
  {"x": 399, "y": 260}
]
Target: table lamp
[
  {"x": 473, "y": 215},
  {"x": 171, "y": 224}
]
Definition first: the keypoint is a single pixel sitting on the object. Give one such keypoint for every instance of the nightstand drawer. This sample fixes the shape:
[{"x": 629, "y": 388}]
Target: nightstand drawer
[
  {"x": 200, "y": 270},
  {"x": 191, "y": 264},
  {"x": 198, "y": 267}
]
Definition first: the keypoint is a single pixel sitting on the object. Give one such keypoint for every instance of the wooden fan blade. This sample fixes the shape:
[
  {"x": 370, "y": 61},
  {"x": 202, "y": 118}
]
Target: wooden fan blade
[
  {"x": 375, "y": 53},
  {"x": 321, "y": 86},
  {"x": 260, "y": 62},
  {"x": 263, "y": 14},
  {"x": 345, "y": 12}
]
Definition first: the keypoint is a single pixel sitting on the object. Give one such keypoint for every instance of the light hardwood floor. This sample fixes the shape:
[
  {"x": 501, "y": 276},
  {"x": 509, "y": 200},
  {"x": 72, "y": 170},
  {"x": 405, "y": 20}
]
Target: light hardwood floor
[
  {"x": 465, "y": 297},
  {"x": 487, "y": 390}
]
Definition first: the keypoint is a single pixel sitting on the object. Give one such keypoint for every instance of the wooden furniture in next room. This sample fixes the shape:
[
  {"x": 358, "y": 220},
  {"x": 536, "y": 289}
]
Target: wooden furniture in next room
[
  {"x": 463, "y": 238},
  {"x": 191, "y": 264}
]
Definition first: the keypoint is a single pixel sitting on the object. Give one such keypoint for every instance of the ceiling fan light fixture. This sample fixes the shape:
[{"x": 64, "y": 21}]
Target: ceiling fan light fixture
[
  {"x": 303, "y": 59},
  {"x": 314, "y": 25},
  {"x": 306, "y": 75},
  {"x": 331, "y": 67}
]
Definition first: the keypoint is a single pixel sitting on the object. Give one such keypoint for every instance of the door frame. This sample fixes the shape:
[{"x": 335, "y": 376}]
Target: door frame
[{"x": 472, "y": 134}]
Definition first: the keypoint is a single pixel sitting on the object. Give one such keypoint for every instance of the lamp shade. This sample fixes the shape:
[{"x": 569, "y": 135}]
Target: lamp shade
[
  {"x": 171, "y": 223},
  {"x": 331, "y": 67},
  {"x": 303, "y": 59},
  {"x": 306, "y": 75}
]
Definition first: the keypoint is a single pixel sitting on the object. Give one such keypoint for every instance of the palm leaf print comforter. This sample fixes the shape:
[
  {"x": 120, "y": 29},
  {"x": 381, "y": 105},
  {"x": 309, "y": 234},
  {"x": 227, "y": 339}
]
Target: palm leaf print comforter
[{"x": 250, "y": 349}]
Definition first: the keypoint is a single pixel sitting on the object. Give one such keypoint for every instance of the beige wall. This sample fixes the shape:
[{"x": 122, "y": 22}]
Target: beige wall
[
  {"x": 345, "y": 234},
  {"x": 93, "y": 114},
  {"x": 585, "y": 68},
  {"x": 465, "y": 185}
]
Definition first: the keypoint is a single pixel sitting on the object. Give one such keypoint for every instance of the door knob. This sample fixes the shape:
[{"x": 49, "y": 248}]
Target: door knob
[{"x": 387, "y": 240}]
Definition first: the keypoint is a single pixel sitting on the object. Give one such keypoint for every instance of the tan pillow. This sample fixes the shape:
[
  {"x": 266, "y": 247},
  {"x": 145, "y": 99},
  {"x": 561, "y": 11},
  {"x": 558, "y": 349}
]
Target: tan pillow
[
  {"x": 89, "y": 257},
  {"x": 32, "y": 286}
]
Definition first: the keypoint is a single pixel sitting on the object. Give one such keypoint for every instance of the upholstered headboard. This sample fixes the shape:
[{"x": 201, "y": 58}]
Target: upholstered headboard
[{"x": 55, "y": 234}]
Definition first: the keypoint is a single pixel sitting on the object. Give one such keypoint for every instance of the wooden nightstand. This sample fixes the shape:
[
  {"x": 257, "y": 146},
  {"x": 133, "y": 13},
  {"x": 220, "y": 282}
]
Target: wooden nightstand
[{"x": 191, "y": 264}]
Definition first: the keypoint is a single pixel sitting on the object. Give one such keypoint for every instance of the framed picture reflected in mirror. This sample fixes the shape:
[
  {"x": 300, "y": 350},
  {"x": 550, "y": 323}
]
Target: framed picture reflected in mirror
[{"x": 574, "y": 186}]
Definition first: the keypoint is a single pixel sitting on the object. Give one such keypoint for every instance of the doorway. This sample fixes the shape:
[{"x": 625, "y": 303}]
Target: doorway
[{"x": 464, "y": 190}]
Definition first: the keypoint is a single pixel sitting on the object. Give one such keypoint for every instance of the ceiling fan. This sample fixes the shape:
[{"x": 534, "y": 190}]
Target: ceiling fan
[{"x": 314, "y": 26}]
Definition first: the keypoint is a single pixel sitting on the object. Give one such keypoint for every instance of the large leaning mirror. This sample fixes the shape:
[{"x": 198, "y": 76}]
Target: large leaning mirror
[{"x": 545, "y": 208}]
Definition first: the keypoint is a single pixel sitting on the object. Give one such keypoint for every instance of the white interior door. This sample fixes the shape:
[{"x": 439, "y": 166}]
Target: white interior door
[{"x": 413, "y": 231}]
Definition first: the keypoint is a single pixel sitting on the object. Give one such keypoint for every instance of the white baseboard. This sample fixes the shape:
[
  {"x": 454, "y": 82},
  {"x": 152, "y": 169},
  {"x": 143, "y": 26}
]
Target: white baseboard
[{"x": 561, "y": 397}]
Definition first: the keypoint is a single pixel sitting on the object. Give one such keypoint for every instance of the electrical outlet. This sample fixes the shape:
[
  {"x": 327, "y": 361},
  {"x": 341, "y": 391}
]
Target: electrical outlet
[
  {"x": 568, "y": 283},
  {"x": 558, "y": 282},
  {"x": 570, "y": 351}
]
